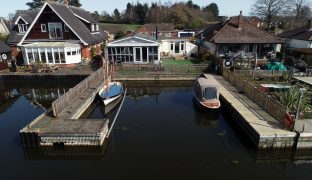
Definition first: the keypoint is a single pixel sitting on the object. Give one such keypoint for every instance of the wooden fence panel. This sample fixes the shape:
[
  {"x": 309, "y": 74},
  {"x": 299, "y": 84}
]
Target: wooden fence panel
[
  {"x": 249, "y": 90},
  {"x": 260, "y": 99},
  {"x": 276, "y": 109},
  {"x": 262, "y": 73},
  {"x": 270, "y": 105},
  {"x": 240, "y": 83},
  {"x": 225, "y": 74},
  {"x": 309, "y": 72},
  {"x": 75, "y": 92},
  {"x": 232, "y": 78}
]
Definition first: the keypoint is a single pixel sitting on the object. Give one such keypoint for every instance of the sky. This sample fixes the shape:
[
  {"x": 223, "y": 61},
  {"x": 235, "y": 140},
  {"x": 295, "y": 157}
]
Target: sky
[{"x": 226, "y": 7}]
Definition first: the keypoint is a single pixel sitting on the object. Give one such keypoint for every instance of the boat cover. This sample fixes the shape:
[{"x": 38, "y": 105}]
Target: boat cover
[{"x": 113, "y": 90}]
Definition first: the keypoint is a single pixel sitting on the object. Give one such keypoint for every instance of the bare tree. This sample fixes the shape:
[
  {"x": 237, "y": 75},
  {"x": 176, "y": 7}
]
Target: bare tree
[
  {"x": 301, "y": 12},
  {"x": 269, "y": 9}
]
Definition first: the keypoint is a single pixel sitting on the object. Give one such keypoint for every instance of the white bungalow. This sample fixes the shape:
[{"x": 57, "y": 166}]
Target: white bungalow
[
  {"x": 134, "y": 49},
  {"x": 177, "y": 46}
]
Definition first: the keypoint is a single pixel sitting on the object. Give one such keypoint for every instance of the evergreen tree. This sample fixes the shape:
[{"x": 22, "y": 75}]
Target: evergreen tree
[
  {"x": 39, "y": 3},
  {"x": 74, "y": 3},
  {"x": 212, "y": 9},
  {"x": 36, "y": 3},
  {"x": 116, "y": 16}
]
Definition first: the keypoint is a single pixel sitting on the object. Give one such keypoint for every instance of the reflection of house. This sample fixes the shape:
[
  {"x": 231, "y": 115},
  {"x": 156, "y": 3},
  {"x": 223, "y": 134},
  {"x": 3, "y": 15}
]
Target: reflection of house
[
  {"x": 237, "y": 35},
  {"x": 55, "y": 34},
  {"x": 299, "y": 38},
  {"x": 5, "y": 50},
  {"x": 162, "y": 30},
  {"x": 136, "y": 49},
  {"x": 7, "y": 100},
  {"x": 4, "y": 27}
]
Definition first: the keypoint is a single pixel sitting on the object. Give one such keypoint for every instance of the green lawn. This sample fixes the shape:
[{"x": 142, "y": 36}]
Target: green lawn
[{"x": 120, "y": 27}]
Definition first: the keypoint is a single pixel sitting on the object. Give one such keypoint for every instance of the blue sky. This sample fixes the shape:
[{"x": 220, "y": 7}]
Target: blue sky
[{"x": 226, "y": 7}]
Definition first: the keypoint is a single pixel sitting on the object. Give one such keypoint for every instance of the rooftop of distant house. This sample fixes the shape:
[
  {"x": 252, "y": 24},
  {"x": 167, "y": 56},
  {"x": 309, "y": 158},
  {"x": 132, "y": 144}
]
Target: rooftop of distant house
[
  {"x": 302, "y": 33},
  {"x": 237, "y": 30}
]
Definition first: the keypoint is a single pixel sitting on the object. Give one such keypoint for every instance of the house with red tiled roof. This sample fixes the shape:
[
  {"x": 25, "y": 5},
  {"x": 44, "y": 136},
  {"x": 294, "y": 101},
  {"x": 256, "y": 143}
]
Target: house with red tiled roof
[
  {"x": 157, "y": 30},
  {"x": 238, "y": 36}
]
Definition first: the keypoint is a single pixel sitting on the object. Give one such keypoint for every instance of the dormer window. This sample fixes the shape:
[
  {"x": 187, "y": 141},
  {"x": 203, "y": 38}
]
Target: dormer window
[
  {"x": 94, "y": 27},
  {"x": 22, "y": 28}
]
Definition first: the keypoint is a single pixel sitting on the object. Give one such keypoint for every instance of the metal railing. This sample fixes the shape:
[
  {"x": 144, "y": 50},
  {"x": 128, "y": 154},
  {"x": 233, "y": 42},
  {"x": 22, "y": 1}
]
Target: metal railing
[{"x": 75, "y": 92}]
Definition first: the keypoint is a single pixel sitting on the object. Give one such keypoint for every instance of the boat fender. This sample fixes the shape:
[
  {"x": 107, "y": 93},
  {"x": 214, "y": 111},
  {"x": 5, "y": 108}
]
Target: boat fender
[{"x": 288, "y": 122}]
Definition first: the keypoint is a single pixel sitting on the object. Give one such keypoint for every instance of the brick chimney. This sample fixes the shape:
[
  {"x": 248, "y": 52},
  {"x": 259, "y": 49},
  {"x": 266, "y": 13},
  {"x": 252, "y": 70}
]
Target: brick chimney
[
  {"x": 309, "y": 24},
  {"x": 240, "y": 20}
]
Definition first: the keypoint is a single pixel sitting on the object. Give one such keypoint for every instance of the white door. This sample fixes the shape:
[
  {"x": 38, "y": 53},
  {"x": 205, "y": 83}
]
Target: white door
[{"x": 137, "y": 54}]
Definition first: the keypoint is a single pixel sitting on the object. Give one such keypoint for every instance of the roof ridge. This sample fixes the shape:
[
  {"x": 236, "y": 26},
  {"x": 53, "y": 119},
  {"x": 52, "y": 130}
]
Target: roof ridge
[{"x": 245, "y": 21}]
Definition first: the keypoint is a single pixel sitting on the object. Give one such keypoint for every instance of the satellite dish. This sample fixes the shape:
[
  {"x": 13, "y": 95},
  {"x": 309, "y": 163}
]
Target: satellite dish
[{"x": 4, "y": 56}]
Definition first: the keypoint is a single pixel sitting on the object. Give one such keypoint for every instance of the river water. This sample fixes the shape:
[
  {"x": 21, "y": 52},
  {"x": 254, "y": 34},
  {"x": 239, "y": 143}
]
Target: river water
[{"x": 159, "y": 134}]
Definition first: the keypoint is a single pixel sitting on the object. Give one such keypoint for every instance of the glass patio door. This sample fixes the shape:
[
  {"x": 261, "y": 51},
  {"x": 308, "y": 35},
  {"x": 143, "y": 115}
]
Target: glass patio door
[{"x": 137, "y": 54}]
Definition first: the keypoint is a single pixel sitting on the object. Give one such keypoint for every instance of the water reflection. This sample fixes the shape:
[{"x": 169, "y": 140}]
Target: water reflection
[
  {"x": 7, "y": 99},
  {"x": 38, "y": 96},
  {"x": 159, "y": 132},
  {"x": 68, "y": 153},
  {"x": 205, "y": 117}
]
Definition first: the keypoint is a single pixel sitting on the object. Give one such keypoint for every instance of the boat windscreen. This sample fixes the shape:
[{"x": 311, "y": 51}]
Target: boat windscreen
[{"x": 210, "y": 93}]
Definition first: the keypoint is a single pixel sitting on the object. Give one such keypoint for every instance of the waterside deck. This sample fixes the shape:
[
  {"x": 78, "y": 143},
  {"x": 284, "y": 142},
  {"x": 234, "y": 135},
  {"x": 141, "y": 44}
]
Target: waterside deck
[
  {"x": 62, "y": 126},
  {"x": 262, "y": 129}
]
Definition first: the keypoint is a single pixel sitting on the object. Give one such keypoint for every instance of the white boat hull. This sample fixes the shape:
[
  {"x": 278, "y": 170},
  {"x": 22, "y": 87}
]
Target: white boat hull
[{"x": 108, "y": 100}]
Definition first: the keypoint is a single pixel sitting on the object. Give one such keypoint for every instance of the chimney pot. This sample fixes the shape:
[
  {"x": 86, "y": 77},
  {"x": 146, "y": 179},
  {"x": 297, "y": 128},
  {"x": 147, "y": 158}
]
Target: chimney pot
[{"x": 240, "y": 20}]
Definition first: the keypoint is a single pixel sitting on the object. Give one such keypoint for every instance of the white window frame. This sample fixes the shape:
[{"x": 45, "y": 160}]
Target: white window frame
[
  {"x": 97, "y": 28},
  {"x": 54, "y": 26},
  {"x": 43, "y": 28},
  {"x": 66, "y": 28},
  {"x": 22, "y": 28},
  {"x": 92, "y": 27},
  {"x": 182, "y": 44}
]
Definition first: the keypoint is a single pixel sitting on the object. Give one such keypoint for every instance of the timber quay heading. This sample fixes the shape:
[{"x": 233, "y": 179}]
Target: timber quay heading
[
  {"x": 261, "y": 128},
  {"x": 62, "y": 126}
]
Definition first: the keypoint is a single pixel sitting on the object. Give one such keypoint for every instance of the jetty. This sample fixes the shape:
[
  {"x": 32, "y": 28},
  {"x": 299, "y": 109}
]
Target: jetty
[
  {"x": 61, "y": 126},
  {"x": 262, "y": 129}
]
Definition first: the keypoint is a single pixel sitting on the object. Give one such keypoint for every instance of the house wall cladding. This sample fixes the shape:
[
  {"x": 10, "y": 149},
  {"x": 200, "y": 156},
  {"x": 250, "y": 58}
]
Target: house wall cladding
[
  {"x": 3, "y": 64},
  {"x": 48, "y": 16}
]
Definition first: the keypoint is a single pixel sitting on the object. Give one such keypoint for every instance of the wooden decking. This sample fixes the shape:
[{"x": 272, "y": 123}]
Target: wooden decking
[
  {"x": 307, "y": 80},
  {"x": 64, "y": 127},
  {"x": 263, "y": 129}
]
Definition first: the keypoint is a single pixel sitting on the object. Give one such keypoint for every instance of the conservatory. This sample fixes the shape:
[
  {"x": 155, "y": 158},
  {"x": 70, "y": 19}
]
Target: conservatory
[
  {"x": 51, "y": 53},
  {"x": 134, "y": 49}
]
